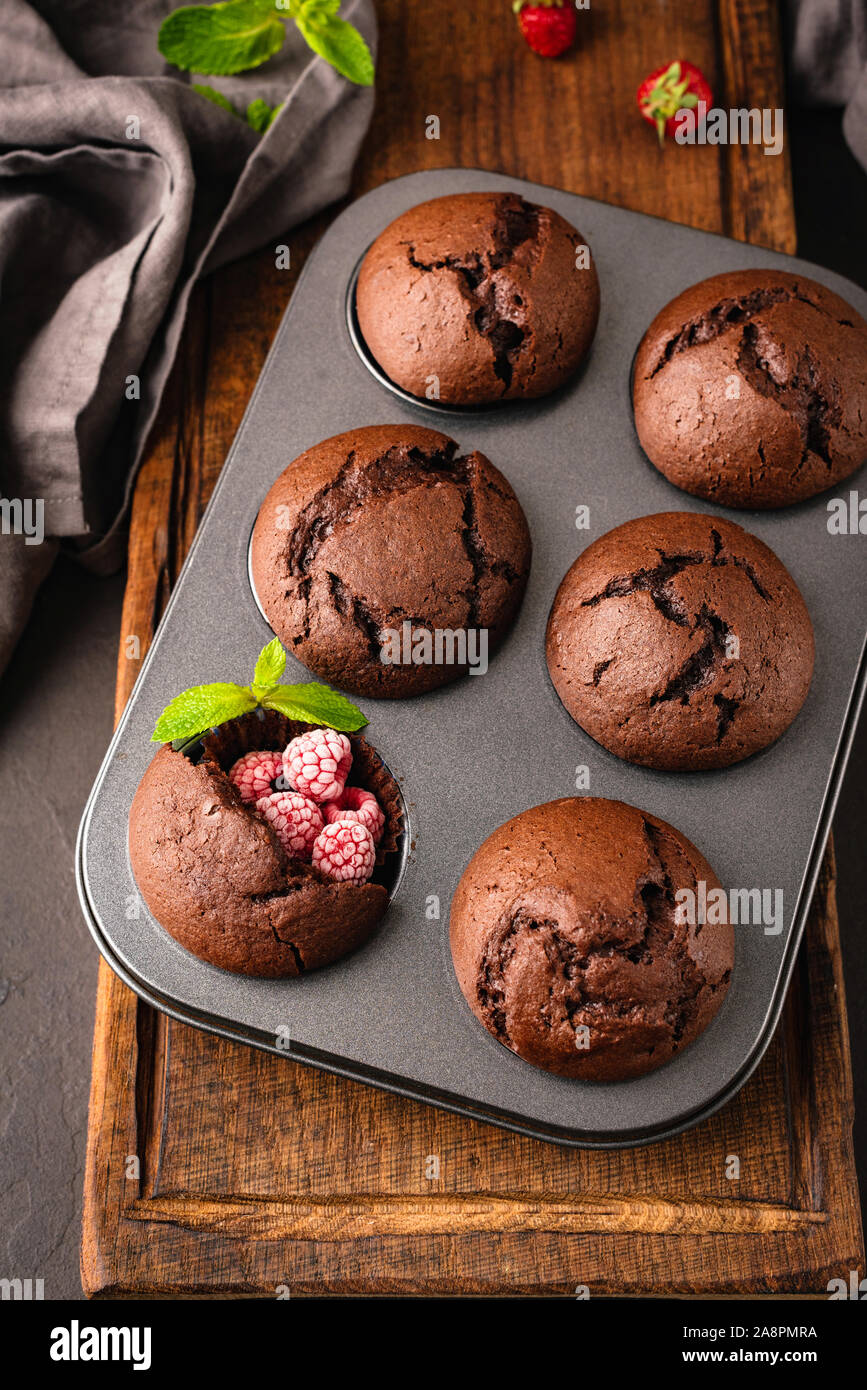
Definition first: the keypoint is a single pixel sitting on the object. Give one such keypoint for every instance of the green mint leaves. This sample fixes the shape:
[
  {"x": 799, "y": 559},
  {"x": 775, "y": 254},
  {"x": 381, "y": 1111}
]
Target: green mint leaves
[
  {"x": 259, "y": 114},
  {"x": 205, "y": 706},
  {"x": 238, "y": 35},
  {"x": 316, "y": 704},
  {"x": 202, "y": 707},
  {"x": 336, "y": 41},
  {"x": 221, "y": 39},
  {"x": 270, "y": 666},
  {"x": 216, "y": 97}
]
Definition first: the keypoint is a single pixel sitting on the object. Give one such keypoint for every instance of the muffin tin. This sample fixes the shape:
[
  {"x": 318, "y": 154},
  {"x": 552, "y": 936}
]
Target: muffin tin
[{"x": 476, "y": 752}]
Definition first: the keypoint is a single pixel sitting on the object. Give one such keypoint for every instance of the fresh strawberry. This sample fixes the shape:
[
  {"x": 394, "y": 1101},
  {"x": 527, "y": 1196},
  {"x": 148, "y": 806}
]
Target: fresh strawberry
[
  {"x": 548, "y": 25},
  {"x": 669, "y": 90}
]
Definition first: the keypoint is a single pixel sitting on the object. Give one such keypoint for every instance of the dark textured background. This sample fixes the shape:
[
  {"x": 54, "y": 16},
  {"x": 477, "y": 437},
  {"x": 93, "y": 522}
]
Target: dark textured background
[
  {"x": 831, "y": 212},
  {"x": 56, "y": 700}
]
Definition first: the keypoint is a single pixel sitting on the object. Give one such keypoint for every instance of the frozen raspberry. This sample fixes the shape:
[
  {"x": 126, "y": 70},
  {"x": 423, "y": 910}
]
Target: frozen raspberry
[
  {"x": 317, "y": 763},
  {"x": 296, "y": 819},
  {"x": 345, "y": 851},
  {"x": 254, "y": 773},
  {"x": 355, "y": 804}
]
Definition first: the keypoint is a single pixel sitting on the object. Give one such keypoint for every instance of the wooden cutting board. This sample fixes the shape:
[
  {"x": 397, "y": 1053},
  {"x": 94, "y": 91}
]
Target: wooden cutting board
[{"x": 214, "y": 1170}]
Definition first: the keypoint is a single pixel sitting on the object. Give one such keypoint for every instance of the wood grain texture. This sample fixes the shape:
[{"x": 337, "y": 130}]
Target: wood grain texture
[
  {"x": 216, "y": 1170},
  {"x": 255, "y": 1172}
]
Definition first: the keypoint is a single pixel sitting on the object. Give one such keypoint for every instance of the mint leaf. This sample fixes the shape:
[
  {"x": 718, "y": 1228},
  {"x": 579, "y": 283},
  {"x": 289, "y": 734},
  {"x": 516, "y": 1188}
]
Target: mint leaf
[
  {"x": 221, "y": 39},
  {"x": 202, "y": 707},
  {"x": 271, "y": 663},
  {"x": 260, "y": 115},
  {"x": 337, "y": 42},
  {"x": 216, "y": 97},
  {"x": 308, "y": 7},
  {"x": 315, "y": 704}
]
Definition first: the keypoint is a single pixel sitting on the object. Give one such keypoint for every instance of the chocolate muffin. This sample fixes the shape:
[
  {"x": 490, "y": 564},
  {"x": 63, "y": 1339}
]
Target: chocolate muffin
[
  {"x": 568, "y": 942},
  {"x": 477, "y": 298},
  {"x": 680, "y": 641},
  {"x": 750, "y": 389},
  {"x": 375, "y": 538},
  {"x": 214, "y": 873}
]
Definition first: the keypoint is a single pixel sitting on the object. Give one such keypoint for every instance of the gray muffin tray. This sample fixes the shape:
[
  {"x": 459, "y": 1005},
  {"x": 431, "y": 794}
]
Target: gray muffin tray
[{"x": 474, "y": 753}]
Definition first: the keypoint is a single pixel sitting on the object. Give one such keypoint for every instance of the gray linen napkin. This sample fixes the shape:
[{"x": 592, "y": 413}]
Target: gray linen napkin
[
  {"x": 828, "y": 51},
  {"x": 119, "y": 186}
]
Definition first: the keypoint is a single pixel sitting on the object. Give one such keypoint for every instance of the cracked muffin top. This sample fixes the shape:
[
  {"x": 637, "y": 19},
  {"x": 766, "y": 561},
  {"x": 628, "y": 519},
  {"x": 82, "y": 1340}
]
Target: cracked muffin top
[
  {"x": 477, "y": 298},
  {"x": 214, "y": 872},
  {"x": 375, "y": 537},
  {"x": 680, "y": 641},
  {"x": 750, "y": 389},
  {"x": 570, "y": 946}
]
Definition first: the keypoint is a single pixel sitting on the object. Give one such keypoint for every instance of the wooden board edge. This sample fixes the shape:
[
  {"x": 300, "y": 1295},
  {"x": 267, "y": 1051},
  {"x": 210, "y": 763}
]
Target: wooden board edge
[{"x": 758, "y": 202}]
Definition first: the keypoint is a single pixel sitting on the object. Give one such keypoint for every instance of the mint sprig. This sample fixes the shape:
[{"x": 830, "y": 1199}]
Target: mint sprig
[
  {"x": 270, "y": 665},
  {"x": 202, "y": 707},
  {"x": 237, "y": 35},
  {"x": 336, "y": 41},
  {"x": 315, "y": 704},
  {"x": 205, "y": 706},
  {"x": 216, "y": 97},
  {"x": 222, "y": 39},
  {"x": 260, "y": 115}
]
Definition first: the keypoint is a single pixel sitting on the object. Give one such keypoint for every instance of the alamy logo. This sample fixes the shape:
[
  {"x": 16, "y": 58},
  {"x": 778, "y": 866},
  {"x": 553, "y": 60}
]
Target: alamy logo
[
  {"x": 77, "y": 1343},
  {"x": 854, "y": 1288},
  {"x": 847, "y": 516},
  {"x": 23, "y": 518},
  {"x": 739, "y": 126},
  {"x": 22, "y": 1290},
  {"x": 753, "y": 907},
  {"x": 442, "y": 646}
]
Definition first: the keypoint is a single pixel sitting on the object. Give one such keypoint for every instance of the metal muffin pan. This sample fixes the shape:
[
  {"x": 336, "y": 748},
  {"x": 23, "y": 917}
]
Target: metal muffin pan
[{"x": 474, "y": 753}]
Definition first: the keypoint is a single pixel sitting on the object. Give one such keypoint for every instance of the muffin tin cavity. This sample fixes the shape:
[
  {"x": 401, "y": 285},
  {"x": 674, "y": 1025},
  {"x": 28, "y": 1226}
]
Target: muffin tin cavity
[
  {"x": 577, "y": 959},
  {"x": 393, "y": 852},
  {"x": 680, "y": 642},
  {"x": 750, "y": 389},
  {"x": 389, "y": 561},
  {"x": 478, "y": 298},
  {"x": 217, "y": 876}
]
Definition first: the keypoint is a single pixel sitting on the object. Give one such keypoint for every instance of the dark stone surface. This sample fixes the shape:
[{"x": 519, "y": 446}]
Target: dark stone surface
[
  {"x": 57, "y": 698},
  {"x": 831, "y": 211}
]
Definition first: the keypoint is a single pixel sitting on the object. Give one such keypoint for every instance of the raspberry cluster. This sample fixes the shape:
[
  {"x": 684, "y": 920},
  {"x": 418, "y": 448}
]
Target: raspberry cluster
[{"x": 302, "y": 794}]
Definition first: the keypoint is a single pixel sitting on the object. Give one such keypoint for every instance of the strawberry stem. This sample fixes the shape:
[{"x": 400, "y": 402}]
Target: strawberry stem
[{"x": 669, "y": 95}]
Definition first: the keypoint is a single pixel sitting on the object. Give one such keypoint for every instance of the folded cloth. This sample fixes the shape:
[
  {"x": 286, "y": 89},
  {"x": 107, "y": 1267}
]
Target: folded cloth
[
  {"x": 119, "y": 186},
  {"x": 828, "y": 60}
]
